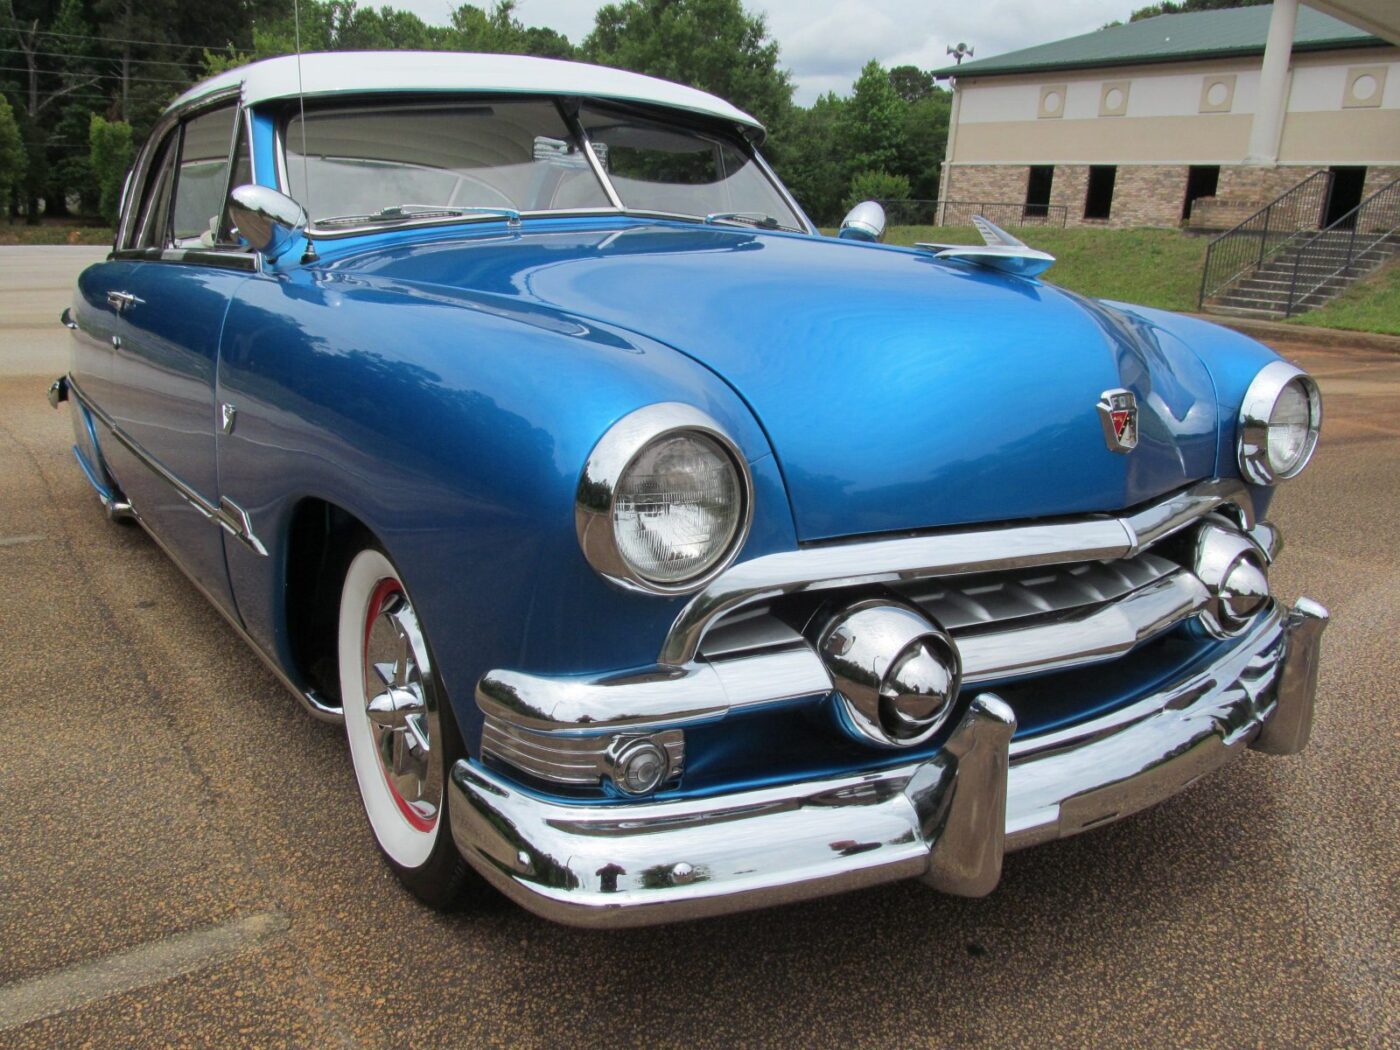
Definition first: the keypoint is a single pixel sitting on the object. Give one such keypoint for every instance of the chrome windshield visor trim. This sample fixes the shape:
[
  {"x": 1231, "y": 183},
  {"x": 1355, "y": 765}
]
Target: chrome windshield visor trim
[
  {"x": 640, "y": 863},
  {"x": 948, "y": 554}
]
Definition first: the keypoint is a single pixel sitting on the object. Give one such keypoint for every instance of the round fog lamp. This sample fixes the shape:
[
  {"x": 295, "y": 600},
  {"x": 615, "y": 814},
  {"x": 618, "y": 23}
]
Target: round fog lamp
[{"x": 640, "y": 767}]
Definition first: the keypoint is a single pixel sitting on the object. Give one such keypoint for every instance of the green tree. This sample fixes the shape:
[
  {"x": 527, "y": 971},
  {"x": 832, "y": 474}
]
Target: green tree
[
  {"x": 110, "y": 158},
  {"x": 874, "y": 121},
  {"x": 810, "y": 154},
  {"x": 911, "y": 83},
  {"x": 714, "y": 45},
  {"x": 13, "y": 161},
  {"x": 921, "y": 147},
  {"x": 1168, "y": 7},
  {"x": 877, "y": 186}
]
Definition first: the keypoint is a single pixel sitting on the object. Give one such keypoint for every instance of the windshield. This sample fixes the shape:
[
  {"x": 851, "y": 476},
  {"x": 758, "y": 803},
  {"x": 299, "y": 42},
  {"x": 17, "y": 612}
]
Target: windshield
[
  {"x": 390, "y": 161},
  {"x": 670, "y": 168},
  {"x": 403, "y": 161}
]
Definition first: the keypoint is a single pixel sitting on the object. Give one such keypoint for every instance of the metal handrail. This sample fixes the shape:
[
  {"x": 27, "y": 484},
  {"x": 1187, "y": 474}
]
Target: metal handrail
[
  {"x": 1291, "y": 216},
  {"x": 909, "y": 212},
  {"x": 1380, "y": 212}
]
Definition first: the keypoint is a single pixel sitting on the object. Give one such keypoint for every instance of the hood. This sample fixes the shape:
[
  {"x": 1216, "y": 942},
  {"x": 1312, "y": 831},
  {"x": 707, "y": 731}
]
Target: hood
[{"x": 898, "y": 392}]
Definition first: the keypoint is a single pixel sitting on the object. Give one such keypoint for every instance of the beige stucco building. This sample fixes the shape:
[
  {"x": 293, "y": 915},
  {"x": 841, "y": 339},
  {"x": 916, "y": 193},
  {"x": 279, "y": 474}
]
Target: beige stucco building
[{"x": 1178, "y": 118}]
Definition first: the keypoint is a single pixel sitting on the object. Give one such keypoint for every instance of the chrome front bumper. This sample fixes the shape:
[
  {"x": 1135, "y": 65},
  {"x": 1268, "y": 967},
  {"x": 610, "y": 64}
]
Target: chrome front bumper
[{"x": 947, "y": 820}]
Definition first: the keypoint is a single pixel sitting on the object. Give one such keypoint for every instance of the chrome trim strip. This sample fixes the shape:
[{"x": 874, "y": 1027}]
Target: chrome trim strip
[
  {"x": 788, "y": 198},
  {"x": 713, "y": 688},
  {"x": 977, "y": 550},
  {"x": 639, "y": 863},
  {"x": 227, "y": 515},
  {"x": 576, "y": 760},
  {"x": 1104, "y": 633}
]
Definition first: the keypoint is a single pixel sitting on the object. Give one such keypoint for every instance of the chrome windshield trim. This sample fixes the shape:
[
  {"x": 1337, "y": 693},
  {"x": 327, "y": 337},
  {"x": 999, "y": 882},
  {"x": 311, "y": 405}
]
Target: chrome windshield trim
[
  {"x": 994, "y": 549},
  {"x": 230, "y": 517}
]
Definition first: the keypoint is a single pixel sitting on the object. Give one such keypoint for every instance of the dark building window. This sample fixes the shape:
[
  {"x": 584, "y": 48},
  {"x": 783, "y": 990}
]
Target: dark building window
[
  {"x": 1038, "y": 191},
  {"x": 1202, "y": 180},
  {"x": 1098, "y": 202},
  {"x": 1347, "y": 184}
]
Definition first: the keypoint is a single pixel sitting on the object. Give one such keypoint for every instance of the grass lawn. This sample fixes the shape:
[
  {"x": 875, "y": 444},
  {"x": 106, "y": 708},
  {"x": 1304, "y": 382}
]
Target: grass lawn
[
  {"x": 1152, "y": 267},
  {"x": 1370, "y": 305},
  {"x": 54, "y": 233},
  {"x": 1162, "y": 268}
]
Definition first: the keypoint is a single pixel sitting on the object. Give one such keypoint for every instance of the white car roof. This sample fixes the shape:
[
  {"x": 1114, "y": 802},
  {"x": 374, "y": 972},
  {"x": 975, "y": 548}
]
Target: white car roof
[{"x": 324, "y": 73}]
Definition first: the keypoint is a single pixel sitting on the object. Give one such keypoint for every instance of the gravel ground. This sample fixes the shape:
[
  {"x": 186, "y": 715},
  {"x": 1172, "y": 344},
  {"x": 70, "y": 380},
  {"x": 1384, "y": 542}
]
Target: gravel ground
[{"x": 164, "y": 800}]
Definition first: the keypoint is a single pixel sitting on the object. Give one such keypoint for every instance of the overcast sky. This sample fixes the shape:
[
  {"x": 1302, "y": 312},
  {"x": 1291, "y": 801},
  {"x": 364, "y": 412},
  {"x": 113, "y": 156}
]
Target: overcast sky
[{"x": 825, "y": 42}]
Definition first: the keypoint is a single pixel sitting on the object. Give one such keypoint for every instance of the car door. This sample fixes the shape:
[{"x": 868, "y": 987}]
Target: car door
[{"x": 169, "y": 304}]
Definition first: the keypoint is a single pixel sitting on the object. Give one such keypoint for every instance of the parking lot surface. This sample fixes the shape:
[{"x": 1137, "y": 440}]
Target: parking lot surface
[{"x": 183, "y": 860}]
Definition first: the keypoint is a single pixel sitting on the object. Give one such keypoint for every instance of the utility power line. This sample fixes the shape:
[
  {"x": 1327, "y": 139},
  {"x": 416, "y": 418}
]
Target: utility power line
[
  {"x": 73, "y": 56},
  {"x": 99, "y": 76},
  {"x": 128, "y": 40}
]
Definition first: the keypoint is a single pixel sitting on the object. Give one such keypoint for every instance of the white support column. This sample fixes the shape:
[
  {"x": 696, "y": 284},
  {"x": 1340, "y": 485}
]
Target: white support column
[
  {"x": 946, "y": 178},
  {"x": 1267, "y": 127}
]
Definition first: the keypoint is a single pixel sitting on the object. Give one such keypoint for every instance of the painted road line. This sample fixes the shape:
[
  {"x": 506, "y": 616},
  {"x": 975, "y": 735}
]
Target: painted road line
[
  {"x": 15, "y": 541},
  {"x": 38, "y": 997}
]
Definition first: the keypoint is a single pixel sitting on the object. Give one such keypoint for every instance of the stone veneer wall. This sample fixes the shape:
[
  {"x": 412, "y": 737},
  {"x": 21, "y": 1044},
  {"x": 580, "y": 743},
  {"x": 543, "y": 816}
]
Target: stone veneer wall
[
  {"x": 1376, "y": 177},
  {"x": 1143, "y": 193}
]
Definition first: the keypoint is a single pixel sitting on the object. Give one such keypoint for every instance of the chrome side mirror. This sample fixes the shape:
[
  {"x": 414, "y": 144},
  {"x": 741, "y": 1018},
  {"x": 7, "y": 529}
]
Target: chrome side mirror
[
  {"x": 270, "y": 221},
  {"x": 864, "y": 222}
]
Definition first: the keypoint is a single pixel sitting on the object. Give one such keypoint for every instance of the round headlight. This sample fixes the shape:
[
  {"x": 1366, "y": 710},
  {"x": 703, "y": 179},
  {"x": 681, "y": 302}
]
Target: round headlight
[
  {"x": 664, "y": 500},
  {"x": 676, "y": 509},
  {"x": 1279, "y": 423}
]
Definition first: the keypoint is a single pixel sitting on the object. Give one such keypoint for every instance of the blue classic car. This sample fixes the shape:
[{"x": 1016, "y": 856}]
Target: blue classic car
[{"x": 662, "y": 556}]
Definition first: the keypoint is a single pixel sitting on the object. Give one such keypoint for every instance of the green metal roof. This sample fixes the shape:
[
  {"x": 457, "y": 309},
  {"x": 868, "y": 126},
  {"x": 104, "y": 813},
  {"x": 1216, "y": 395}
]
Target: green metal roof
[{"x": 1171, "y": 38}]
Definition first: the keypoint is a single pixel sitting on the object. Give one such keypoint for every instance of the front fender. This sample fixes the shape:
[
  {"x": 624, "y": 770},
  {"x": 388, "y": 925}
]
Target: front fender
[
  {"x": 454, "y": 426},
  {"x": 1233, "y": 360}
]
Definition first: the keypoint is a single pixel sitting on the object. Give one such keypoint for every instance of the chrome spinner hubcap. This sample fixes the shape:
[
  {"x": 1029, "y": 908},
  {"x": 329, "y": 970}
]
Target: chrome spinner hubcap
[{"x": 401, "y": 706}]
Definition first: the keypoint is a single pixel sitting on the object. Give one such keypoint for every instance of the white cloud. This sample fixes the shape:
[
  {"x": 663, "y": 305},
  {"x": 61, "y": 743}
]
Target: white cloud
[{"x": 825, "y": 45}]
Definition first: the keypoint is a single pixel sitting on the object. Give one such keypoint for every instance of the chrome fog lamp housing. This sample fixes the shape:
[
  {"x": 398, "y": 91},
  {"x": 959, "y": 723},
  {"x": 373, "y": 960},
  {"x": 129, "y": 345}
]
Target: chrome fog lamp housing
[
  {"x": 897, "y": 674},
  {"x": 1235, "y": 572},
  {"x": 664, "y": 502},
  {"x": 1280, "y": 418}
]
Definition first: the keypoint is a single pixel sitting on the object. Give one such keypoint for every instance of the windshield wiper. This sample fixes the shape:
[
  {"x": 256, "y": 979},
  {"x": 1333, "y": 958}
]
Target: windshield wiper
[
  {"x": 408, "y": 212},
  {"x": 746, "y": 218}
]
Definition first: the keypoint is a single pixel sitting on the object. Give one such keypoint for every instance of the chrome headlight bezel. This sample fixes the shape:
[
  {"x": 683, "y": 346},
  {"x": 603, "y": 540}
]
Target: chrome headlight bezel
[
  {"x": 1256, "y": 413},
  {"x": 608, "y": 463}
]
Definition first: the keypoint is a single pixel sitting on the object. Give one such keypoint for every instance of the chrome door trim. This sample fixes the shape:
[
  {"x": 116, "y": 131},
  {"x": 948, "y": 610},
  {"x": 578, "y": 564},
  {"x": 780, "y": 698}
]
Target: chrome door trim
[
  {"x": 976, "y": 550},
  {"x": 230, "y": 517}
]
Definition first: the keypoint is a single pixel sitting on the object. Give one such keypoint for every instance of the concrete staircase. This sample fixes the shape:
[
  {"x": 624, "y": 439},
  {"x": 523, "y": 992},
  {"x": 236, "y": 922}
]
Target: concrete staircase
[
  {"x": 1283, "y": 261},
  {"x": 1311, "y": 273}
]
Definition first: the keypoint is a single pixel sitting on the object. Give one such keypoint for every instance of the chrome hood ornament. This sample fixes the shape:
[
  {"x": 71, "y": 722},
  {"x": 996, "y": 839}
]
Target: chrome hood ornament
[
  {"x": 1001, "y": 252},
  {"x": 1119, "y": 415}
]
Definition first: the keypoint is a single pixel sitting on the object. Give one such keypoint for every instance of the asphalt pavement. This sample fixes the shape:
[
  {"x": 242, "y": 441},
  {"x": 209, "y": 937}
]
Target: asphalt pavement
[{"x": 183, "y": 860}]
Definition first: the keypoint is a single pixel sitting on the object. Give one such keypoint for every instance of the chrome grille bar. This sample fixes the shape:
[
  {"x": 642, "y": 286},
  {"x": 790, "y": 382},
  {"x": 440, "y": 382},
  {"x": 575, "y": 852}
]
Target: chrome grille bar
[{"x": 980, "y": 550}]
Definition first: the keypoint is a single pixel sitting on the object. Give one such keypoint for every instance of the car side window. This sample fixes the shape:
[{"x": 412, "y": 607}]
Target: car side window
[
  {"x": 149, "y": 229},
  {"x": 202, "y": 178},
  {"x": 242, "y": 175}
]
